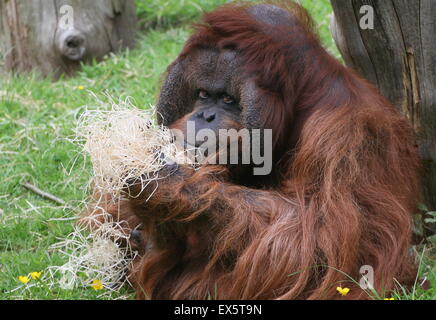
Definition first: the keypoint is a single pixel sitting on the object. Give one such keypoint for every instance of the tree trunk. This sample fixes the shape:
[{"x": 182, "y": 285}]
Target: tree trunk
[
  {"x": 398, "y": 55},
  {"x": 54, "y": 36}
]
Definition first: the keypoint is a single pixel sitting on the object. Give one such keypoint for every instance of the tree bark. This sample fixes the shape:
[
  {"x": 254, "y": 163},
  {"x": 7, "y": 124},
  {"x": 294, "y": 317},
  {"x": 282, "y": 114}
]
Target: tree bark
[
  {"x": 33, "y": 34},
  {"x": 399, "y": 56}
]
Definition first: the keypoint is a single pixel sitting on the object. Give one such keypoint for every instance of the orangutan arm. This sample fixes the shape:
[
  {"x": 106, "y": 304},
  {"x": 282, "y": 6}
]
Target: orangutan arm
[
  {"x": 197, "y": 216},
  {"x": 184, "y": 194}
]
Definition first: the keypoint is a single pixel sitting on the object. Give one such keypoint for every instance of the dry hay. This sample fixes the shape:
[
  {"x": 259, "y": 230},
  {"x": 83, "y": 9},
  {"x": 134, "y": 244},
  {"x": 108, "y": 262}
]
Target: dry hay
[
  {"x": 125, "y": 145},
  {"x": 101, "y": 254}
]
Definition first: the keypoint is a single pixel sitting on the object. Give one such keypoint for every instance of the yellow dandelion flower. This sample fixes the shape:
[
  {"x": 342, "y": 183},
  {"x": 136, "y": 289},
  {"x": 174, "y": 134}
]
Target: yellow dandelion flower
[
  {"x": 24, "y": 279},
  {"x": 35, "y": 275},
  {"x": 97, "y": 284},
  {"x": 343, "y": 291},
  {"x": 80, "y": 88},
  {"x": 389, "y": 299}
]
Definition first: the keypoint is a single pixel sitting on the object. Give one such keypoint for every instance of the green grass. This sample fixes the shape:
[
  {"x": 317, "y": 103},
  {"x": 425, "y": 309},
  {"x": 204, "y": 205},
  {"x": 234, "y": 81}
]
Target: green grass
[
  {"x": 37, "y": 116},
  {"x": 165, "y": 13}
]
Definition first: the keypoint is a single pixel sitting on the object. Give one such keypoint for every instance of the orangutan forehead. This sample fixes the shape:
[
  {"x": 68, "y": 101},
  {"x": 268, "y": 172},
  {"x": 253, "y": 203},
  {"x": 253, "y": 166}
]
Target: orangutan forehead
[
  {"x": 215, "y": 70},
  {"x": 270, "y": 14}
]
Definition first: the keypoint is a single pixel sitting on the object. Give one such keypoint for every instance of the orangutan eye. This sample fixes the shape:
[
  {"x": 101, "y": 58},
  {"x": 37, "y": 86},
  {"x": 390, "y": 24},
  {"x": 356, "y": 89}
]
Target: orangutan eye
[
  {"x": 228, "y": 99},
  {"x": 203, "y": 94}
]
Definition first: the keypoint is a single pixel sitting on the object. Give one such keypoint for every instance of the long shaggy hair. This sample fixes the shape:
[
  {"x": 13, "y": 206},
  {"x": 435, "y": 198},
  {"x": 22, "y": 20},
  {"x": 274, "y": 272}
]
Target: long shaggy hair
[{"x": 341, "y": 195}]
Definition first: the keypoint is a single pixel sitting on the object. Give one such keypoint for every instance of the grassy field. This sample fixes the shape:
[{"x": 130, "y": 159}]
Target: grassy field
[{"x": 38, "y": 116}]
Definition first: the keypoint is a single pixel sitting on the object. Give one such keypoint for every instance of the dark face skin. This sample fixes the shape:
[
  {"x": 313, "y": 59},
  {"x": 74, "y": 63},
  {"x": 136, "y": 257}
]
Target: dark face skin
[
  {"x": 215, "y": 87},
  {"x": 214, "y": 109}
]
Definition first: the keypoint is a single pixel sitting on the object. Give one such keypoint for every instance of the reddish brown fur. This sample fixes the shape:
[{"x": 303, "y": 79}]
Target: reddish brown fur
[{"x": 346, "y": 187}]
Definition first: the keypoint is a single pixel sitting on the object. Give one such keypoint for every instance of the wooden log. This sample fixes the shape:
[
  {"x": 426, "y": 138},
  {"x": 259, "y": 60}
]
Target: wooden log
[
  {"x": 55, "y": 36},
  {"x": 398, "y": 55}
]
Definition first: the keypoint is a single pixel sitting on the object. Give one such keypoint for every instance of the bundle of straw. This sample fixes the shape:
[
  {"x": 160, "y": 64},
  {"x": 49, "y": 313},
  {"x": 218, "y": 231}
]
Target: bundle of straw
[{"x": 124, "y": 145}]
